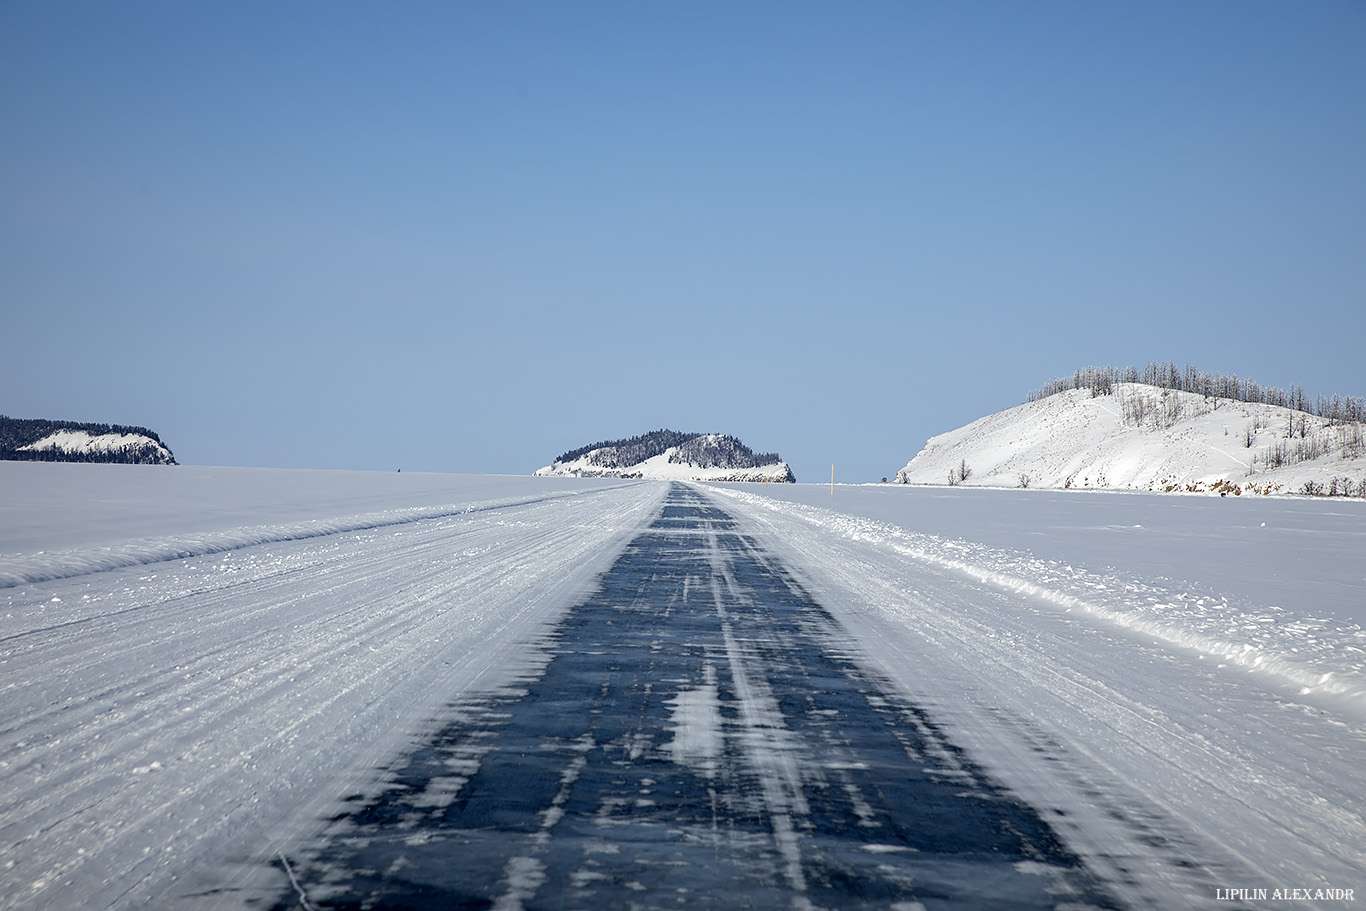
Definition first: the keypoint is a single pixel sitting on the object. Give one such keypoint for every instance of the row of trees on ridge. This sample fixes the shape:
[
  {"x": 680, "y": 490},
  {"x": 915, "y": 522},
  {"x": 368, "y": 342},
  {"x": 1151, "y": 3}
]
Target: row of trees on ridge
[
  {"x": 16, "y": 433},
  {"x": 1337, "y": 409}
]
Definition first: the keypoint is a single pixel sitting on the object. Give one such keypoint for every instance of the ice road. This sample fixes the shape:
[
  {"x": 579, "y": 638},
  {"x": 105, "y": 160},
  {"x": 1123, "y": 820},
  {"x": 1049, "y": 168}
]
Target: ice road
[
  {"x": 576, "y": 694},
  {"x": 698, "y": 737}
]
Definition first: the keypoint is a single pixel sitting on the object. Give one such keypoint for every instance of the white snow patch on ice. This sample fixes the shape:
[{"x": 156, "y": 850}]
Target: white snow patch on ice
[{"x": 695, "y": 720}]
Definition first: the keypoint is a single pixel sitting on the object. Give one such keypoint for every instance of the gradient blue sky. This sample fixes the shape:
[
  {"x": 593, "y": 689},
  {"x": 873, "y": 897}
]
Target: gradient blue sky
[{"x": 470, "y": 236}]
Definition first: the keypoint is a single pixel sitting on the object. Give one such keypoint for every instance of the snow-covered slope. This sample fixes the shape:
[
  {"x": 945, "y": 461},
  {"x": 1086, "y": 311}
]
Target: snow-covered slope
[
  {"x": 41, "y": 440},
  {"x": 140, "y": 449},
  {"x": 1145, "y": 438},
  {"x": 699, "y": 457}
]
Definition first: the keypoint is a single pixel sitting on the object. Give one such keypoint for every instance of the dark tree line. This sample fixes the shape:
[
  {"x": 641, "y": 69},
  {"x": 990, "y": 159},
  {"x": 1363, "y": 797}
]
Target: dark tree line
[
  {"x": 631, "y": 451},
  {"x": 16, "y": 433},
  {"x": 135, "y": 454},
  {"x": 721, "y": 452},
  {"x": 704, "y": 450},
  {"x": 1338, "y": 409}
]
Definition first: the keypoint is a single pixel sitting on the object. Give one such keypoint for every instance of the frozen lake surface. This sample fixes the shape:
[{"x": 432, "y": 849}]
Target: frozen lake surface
[{"x": 232, "y": 688}]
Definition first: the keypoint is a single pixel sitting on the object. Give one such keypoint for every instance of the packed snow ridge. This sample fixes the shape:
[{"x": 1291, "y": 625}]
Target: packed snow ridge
[
  {"x": 670, "y": 455},
  {"x": 1142, "y": 437},
  {"x": 68, "y": 441}
]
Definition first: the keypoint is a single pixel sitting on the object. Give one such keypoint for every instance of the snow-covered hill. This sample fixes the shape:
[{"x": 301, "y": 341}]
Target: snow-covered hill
[
  {"x": 139, "y": 448},
  {"x": 1146, "y": 438},
  {"x": 68, "y": 441},
  {"x": 665, "y": 454}
]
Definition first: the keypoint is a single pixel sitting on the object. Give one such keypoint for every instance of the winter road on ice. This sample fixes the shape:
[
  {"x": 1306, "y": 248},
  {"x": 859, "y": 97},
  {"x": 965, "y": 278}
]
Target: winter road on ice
[
  {"x": 699, "y": 736},
  {"x": 545, "y": 693}
]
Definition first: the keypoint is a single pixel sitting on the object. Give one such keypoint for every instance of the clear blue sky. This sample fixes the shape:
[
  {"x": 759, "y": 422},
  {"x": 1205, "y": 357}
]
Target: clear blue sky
[{"x": 469, "y": 236}]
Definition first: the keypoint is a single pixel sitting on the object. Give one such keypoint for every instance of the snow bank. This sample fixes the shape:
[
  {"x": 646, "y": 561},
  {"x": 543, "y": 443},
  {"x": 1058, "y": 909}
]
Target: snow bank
[
  {"x": 45, "y": 566},
  {"x": 1173, "y": 771},
  {"x": 208, "y": 510},
  {"x": 1299, "y": 642},
  {"x": 55, "y": 507}
]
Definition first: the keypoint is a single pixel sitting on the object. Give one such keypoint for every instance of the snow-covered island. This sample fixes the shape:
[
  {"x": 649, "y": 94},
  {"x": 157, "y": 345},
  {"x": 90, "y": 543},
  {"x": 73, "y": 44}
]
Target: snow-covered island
[
  {"x": 38, "y": 440},
  {"x": 1107, "y": 433},
  {"x": 670, "y": 455}
]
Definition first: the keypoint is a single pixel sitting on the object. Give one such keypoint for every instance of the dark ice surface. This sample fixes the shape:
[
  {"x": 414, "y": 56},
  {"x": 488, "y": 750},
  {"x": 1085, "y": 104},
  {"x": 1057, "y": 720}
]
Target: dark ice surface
[{"x": 701, "y": 734}]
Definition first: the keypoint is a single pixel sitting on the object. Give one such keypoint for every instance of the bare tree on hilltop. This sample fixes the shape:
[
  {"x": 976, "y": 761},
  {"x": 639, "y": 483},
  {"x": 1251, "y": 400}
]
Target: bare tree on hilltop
[{"x": 1337, "y": 409}]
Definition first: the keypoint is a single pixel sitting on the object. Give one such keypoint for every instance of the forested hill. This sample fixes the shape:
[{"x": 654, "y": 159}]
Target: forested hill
[
  {"x": 40, "y": 440},
  {"x": 674, "y": 455}
]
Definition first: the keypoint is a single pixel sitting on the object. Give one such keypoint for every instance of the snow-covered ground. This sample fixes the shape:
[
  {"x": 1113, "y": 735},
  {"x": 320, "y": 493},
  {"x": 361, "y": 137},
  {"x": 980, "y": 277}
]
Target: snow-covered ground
[
  {"x": 1182, "y": 679},
  {"x": 178, "y": 697},
  {"x": 1277, "y": 579},
  {"x": 197, "y": 664},
  {"x": 1145, "y": 438},
  {"x": 64, "y": 518}
]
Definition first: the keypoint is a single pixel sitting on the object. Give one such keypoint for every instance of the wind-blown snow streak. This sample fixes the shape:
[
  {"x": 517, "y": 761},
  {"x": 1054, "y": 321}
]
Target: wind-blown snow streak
[{"x": 768, "y": 745}]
